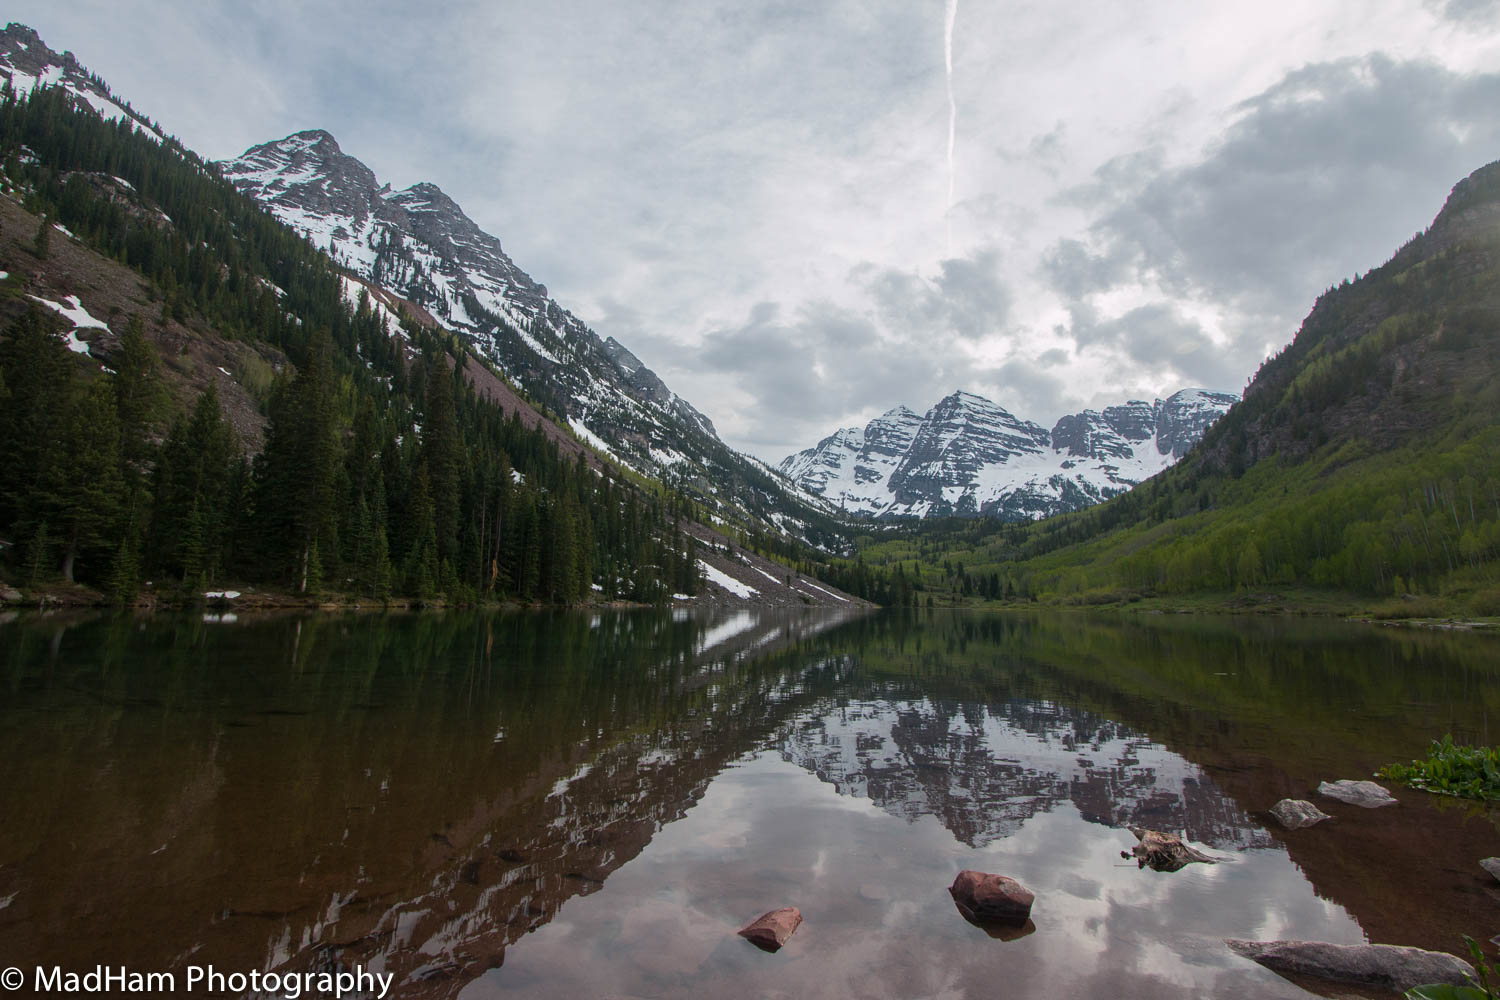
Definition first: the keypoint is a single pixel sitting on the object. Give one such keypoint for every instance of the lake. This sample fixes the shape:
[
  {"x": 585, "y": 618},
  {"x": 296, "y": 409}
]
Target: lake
[{"x": 575, "y": 804}]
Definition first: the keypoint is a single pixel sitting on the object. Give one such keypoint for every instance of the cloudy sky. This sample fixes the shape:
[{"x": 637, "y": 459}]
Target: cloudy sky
[{"x": 761, "y": 199}]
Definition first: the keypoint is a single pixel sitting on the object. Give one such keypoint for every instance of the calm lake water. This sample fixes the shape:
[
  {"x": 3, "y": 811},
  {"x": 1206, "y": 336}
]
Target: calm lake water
[{"x": 589, "y": 805}]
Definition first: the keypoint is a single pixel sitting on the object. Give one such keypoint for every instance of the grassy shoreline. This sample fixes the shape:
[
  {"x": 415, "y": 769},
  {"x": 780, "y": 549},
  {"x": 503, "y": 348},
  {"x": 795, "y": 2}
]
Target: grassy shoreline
[{"x": 1413, "y": 611}]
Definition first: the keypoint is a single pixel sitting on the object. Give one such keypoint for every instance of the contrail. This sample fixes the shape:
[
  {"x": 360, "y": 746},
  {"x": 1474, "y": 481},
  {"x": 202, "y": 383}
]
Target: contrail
[{"x": 950, "y": 16}]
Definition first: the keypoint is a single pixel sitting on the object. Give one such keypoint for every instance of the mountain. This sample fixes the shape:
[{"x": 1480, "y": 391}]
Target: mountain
[
  {"x": 969, "y": 456},
  {"x": 1359, "y": 473},
  {"x": 418, "y": 244},
  {"x": 26, "y": 63},
  {"x": 417, "y": 255},
  {"x": 191, "y": 407}
]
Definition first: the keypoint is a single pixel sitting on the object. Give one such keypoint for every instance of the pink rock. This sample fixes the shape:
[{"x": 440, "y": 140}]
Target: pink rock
[
  {"x": 770, "y": 931},
  {"x": 982, "y": 897}
]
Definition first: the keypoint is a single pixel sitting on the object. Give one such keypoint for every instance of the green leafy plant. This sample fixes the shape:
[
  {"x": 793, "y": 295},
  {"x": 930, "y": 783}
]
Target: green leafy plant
[
  {"x": 1463, "y": 771},
  {"x": 1478, "y": 991}
]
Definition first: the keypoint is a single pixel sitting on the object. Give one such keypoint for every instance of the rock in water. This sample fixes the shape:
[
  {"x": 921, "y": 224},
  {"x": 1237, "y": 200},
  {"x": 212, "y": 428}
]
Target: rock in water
[
  {"x": 984, "y": 898},
  {"x": 1491, "y": 865},
  {"x": 1357, "y": 793},
  {"x": 1164, "y": 852},
  {"x": 1380, "y": 965},
  {"x": 1294, "y": 814},
  {"x": 770, "y": 931}
]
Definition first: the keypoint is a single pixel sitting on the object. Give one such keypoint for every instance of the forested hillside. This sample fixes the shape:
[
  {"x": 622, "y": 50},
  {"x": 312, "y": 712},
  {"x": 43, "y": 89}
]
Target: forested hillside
[
  {"x": 382, "y": 472},
  {"x": 1363, "y": 461}
]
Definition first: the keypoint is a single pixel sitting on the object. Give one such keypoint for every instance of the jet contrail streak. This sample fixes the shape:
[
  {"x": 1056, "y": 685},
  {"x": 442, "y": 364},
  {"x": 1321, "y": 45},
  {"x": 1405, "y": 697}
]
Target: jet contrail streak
[{"x": 950, "y": 16}]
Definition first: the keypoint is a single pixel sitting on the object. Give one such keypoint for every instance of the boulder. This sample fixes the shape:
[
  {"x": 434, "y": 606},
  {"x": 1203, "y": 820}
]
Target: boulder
[
  {"x": 1163, "y": 852},
  {"x": 1357, "y": 793},
  {"x": 983, "y": 898},
  {"x": 770, "y": 931},
  {"x": 1380, "y": 965},
  {"x": 1294, "y": 814},
  {"x": 10, "y": 595},
  {"x": 1491, "y": 865}
]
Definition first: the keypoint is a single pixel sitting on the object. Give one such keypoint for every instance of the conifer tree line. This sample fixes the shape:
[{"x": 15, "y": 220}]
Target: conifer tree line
[{"x": 383, "y": 473}]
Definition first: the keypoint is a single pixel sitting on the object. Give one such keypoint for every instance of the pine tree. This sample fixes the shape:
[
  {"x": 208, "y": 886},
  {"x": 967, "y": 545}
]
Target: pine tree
[
  {"x": 440, "y": 453},
  {"x": 422, "y": 559},
  {"x": 84, "y": 477},
  {"x": 125, "y": 572},
  {"x": 139, "y": 396},
  {"x": 37, "y": 369}
]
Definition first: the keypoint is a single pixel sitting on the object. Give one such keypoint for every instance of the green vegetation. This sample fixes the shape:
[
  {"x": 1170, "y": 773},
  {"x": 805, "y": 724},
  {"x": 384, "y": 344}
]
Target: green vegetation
[
  {"x": 1362, "y": 469},
  {"x": 383, "y": 473},
  {"x": 1481, "y": 990},
  {"x": 1463, "y": 771}
]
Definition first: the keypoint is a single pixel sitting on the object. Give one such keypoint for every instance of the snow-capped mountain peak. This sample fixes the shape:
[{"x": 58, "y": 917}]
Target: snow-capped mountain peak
[
  {"x": 418, "y": 243},
  {"x": 969, "y": 455}
]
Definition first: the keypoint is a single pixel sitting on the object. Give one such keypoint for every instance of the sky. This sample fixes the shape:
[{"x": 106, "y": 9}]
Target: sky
[{"x": 803, "y": 214}]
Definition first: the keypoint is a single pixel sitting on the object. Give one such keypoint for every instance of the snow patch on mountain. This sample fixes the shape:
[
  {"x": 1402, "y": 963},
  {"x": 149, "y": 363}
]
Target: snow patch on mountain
[{"x": 720, "y": 578}]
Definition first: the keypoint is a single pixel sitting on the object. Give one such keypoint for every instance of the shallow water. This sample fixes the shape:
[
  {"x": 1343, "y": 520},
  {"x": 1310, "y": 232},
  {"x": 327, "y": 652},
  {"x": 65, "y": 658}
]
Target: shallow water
[{"x": 581, "y": 805}]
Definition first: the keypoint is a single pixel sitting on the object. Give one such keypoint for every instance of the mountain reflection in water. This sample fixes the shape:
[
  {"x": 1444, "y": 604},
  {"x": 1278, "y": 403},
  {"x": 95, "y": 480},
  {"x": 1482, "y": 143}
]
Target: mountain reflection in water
[
  {"x": 576, "y": 804},
  {"x": 983, "y": 770}
]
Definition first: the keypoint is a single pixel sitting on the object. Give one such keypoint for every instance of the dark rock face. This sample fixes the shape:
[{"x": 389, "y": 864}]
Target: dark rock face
[
  {"x": 770, "y": 931},
  {"x": 1380, "y": 965},
  {"x": 1294, "y": 814},
  {"x": 1185, "y": 416},
  {"x": 985, "y": 898},
  {"x": 959, "y": 436},
  {"x": 1115, "y": 433}
]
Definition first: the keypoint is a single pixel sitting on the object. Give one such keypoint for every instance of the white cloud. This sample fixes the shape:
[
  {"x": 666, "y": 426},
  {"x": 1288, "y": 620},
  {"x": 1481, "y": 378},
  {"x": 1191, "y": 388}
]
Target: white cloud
[{"x": 664, "y": 169}]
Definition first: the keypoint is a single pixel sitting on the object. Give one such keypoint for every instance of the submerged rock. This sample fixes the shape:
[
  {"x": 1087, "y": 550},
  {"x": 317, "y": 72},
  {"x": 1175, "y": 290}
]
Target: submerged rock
[
  {"x": 1163, "y": 852},
  {"x": 1357, "y": 793},
  {"x": 770, "y": 931},
  {"x": 1380, "y": 965},
  {"x": 983, "y": 898},
  {"x": 1294, "y": 814}
]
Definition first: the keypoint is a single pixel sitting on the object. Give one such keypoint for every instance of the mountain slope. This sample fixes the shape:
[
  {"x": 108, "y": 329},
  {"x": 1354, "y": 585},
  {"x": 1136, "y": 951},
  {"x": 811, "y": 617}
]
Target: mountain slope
[
  {"x": 379, "y": 464},
  {"x": 419, "y": 244},
  {"x": 968, "y": 456},
  {"x": 26, "y": 63}
]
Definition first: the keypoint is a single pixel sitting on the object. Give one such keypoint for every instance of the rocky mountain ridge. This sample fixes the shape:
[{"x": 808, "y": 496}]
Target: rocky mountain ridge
[
  {"x": 418, "y": 244},
  {"x": 970, "y": 456},
  {"x": 26, "y": 63}
]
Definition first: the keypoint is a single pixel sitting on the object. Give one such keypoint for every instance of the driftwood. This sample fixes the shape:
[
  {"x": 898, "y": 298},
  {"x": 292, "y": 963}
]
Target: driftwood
[{"x": 1164, "y": 852}]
